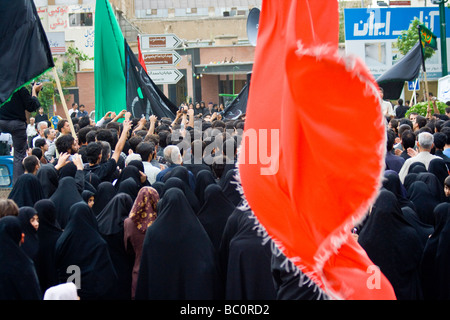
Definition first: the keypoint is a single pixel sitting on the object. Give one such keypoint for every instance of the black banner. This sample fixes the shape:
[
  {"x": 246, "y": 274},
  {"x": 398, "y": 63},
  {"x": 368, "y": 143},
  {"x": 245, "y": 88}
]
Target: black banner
[
  {"x": 238, "y": 106},
  {"x": 24, "y": 49},
  {"x": 406, "y": 69},
  {"x": 143, "y": 96}
]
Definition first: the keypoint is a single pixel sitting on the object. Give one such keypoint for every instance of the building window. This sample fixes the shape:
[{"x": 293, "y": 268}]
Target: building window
[{"x": 80, "y": 19}]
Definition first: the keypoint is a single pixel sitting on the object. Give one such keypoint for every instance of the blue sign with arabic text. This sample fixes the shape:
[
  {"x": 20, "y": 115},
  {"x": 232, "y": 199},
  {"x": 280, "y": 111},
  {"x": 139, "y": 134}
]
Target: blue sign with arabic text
[{"x": 388, "y": 23}]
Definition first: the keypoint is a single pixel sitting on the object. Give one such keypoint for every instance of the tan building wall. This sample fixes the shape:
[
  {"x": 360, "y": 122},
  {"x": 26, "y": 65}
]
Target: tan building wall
[{"x": 86, "y": 85}]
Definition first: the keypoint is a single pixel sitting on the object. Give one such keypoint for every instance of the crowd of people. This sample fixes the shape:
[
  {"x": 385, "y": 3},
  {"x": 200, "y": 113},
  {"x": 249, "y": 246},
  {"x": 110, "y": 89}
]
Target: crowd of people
[
  {"x": 149, "y": 209},
  {"x": 133, "y": 208},
  {"x": 404, "y": 232}
]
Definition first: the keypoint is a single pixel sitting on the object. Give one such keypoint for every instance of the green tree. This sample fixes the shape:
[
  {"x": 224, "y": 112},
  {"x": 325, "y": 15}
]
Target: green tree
[
  {"x": 409, "y": 38},
  {"x": 66, "y": 74}
]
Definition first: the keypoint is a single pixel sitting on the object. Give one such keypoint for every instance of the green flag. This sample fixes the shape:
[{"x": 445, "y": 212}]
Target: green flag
[
  {"x": 109, "y": 62},
  {"x": 427, "y": 38}
]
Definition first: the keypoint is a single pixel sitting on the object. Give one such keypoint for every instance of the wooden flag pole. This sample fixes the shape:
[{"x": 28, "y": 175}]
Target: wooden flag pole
[{"x": 63, "y": 100}]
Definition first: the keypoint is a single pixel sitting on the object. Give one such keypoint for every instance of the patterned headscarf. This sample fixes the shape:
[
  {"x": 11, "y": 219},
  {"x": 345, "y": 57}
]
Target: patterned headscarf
[{"x": 143, "y": 212}]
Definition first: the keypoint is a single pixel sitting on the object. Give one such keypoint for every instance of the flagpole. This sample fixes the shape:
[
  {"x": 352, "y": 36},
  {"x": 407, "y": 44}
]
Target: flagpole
[
  {"x": 63, "y": 100},
  {"x": 424, "y": 69}
]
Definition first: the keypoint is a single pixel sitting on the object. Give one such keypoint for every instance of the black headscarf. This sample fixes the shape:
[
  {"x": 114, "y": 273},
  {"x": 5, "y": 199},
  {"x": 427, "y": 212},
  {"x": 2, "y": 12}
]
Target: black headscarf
[
  {"x": 424, "y": 201},
  {"x": 249, "y": 274},
  {"x": 229, "y": 185},
  {"x": 433, "y": 183},
  {"x": 203, "y": 179},
  {"x": 137, "y": 163},
  {"x": 140, "y": 165},
  {"x": 48, "y": 177},
  {"x": 48, "y": 233},
  {"x": 105, "y": 192},
  {"x": 214, "y": 214},
  {"x": 86, "y": 195},
  {"x": 178, "y": 259},
  {"x": 182, "y": 173},
  {"x": 64, "y": 197},
  {"x": 26, "y": 191},
  {"x": 31, "y": 242},
  {"x": 439, "y": 169},
  {"x": 175, "y": 182},
  {"x": 129, "y": 172},
  {"x": 410, "y": 178},
  {"x": 92, "y": 179},
  {"x": 110, "y": 225},
  {"x": 423, "y": 230},
  {"x": 130, "y": 187},
  {"x": 436, "y": 257},
  {"x": 417, "y": 167},
  {"x": 392, "y": 183},
  {"x": 18, "y": 278},
  {"x": 393, "y": 245},
  {"x": 159, "y": 187},
  {"x": 68, "y": 170},
  {"x": 81, "y": 245},
  {"x": 110, "y": 219}
]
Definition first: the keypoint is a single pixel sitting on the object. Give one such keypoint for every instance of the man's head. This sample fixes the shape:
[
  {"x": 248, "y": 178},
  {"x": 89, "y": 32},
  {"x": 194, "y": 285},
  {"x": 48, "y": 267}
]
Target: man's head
[
  {"x": 425, "y": 141},
  {"x": 50, "y": 134},
  {"x": 172, "y": 154},
  {"x": 63, "y": 126},
  {"x": 41, "y": 144},
  {"x": 390, "y": 140},
  {"x": 412, "y": 116},
  {"x": 41, "y": 126},
  {"x": 381, "y": 92},
  {"x": 41, "y": 110},
  {"x": 66, "y": 143},
  {"x": 94, "y": 152},
  {"x": 439, "y": 139},
  {"x": 419, "y": 122},
  {"x": 447, "y": 111},
  {"x": 81, "y": 108},
  {"x": 31, "y": 164},
  {"x": 81, "y": 134},
  {"x": 408, "y": 139},
  {"x": 32, "y": 120},
  {"x": 74, "y": 105},
  {"x": 84, "y": 121},
  {"x": 146, "y": 150}
]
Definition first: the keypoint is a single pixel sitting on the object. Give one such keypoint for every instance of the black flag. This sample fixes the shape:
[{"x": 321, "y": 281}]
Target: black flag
[
  {"x": 24, "y": 50},
  {"x": 238, "y": 106},
  {"x": 143, "y": 97},
  {"x": 406, "y": 69}
]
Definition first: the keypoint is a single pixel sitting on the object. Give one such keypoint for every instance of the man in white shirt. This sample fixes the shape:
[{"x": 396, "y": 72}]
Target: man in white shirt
[
  {"x": 424, "y": 145},
  {"x": 386, "y": 106},
  {"x": 148, "y": 152},
  {"x": 41, "y": 126}
]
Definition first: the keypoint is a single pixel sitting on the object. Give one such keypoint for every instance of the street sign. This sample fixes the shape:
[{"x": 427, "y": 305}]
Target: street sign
[
  {"x": 161, "y": 58},
  {"x": 413, "y": 85},
  {"x": 159, "y": 41},
  {"x": 165, "y": 76}
]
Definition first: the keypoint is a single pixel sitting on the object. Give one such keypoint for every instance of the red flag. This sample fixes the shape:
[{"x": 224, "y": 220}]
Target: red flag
[
  {"x": 312, "y": 154},
  {"x": 141, "y": 58}
]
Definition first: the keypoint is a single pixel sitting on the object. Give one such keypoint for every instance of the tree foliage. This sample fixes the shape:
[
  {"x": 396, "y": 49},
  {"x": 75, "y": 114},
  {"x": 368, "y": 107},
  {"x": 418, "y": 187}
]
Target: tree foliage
[
  {"x": 409, "y": 38},
  {"x": 66, "y": 74}
]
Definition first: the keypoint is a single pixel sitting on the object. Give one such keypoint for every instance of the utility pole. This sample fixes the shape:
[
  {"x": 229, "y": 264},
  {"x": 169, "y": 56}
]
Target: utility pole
[{"x": 441, "y": 4}]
